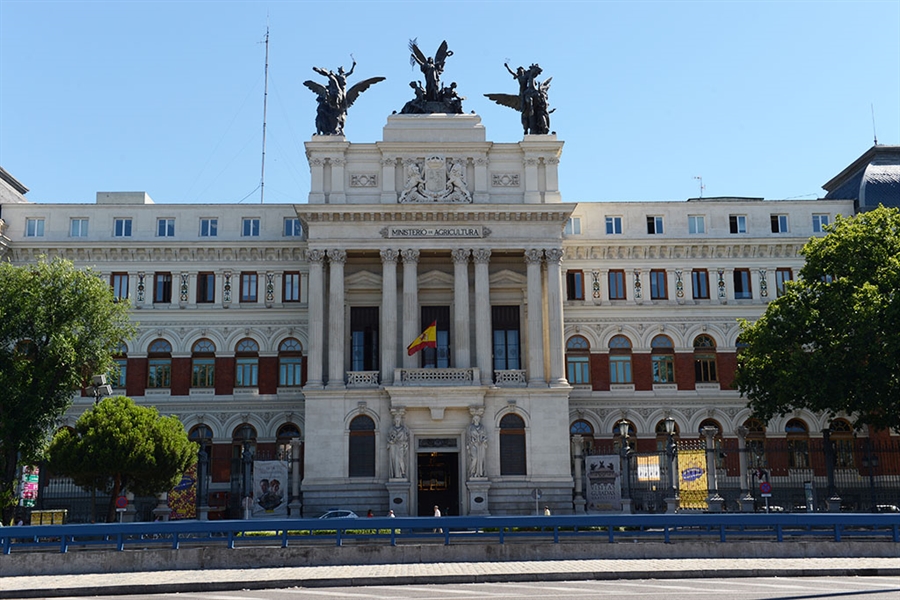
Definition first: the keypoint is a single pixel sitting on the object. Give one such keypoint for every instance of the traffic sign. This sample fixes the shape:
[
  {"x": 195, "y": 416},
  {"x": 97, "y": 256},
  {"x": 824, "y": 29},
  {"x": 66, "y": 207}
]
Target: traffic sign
[
  {"x": 122, "y": 502},
  {"x": 765, "y": 489}
]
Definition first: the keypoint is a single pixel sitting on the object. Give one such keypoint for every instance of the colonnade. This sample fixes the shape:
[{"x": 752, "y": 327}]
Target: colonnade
[{"x": 543, "y": 289}]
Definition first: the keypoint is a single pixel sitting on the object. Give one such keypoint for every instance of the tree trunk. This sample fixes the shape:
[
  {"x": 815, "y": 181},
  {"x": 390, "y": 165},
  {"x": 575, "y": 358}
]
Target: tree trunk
[
  {"x": 7, "y": 485},
  {"x": 117, "y": 488}
]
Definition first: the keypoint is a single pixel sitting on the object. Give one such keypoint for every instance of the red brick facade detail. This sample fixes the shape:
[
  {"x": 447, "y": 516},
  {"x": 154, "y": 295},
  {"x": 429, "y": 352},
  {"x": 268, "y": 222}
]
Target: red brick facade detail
[
  {"x": 136, "y": 377},
  {"x": 684, "y": 370},
  {"x": 181, "y": 376},
  {"x": 220, "y": 463},
  {"x": 268, "y": 375},
  {"x": 642, "y": 372},
  {"x": 726, "y": 365},
  {"x": 224, "y": 376},
  {"x": 600, "y": 372}
]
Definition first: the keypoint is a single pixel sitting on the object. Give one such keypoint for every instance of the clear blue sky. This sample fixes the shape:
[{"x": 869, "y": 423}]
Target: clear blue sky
[{"x": 761, "y": 99}]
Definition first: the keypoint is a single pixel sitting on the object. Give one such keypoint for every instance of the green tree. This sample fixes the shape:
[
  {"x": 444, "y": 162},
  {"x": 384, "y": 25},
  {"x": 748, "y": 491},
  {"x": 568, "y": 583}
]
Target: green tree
[
  {"x": 831, "y": 343},
  {"x": 58, "y": 326},
  {"x": 118, "y": 446}
]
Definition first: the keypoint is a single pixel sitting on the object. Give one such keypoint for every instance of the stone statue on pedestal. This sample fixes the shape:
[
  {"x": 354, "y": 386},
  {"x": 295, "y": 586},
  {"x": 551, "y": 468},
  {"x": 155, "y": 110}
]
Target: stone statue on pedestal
[
  {"x": 398, "y": 446},
  {"x": 532, "y": 100},
  {"x": 434, "y": 97},
  {"x": 476, "y": 444},
  {"x": 334, "y": 98}
]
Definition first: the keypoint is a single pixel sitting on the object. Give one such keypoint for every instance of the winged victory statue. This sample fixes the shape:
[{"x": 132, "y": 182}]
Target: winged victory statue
[
  {"x": 531, "y": 101},
  {"x": 334, "y": 98}
]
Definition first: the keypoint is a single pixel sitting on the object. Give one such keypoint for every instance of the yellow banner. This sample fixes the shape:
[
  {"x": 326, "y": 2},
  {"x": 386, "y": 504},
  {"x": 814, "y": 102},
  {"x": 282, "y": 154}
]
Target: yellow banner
[{"x": 692, "y": 485}]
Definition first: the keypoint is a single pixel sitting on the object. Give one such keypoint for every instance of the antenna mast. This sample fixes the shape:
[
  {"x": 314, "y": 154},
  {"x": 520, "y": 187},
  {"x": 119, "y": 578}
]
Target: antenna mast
[
  {"x": 262, "y": 176},
  {"x": 874, "y": 132},
  {"x": 702, "y": 187}
]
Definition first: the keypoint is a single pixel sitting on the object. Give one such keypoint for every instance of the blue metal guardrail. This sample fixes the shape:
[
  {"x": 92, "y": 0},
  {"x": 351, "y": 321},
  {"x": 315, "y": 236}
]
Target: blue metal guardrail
[{"x": 172, "y": 534}]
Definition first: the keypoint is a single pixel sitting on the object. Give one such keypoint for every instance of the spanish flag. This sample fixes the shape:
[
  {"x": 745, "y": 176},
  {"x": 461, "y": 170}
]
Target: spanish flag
[{"x": 428, "y": 339}]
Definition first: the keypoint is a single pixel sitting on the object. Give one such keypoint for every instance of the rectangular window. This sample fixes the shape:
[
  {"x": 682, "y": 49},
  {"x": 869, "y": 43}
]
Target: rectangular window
[
  {"x": 250, "y": 227},
  {"x": 742, "y": 290},
  {"x": 364, "y": 338},
  {"x": 119, "y": 376},
  {"x": 78, "y": 228},
  {"x": 737, "y": 223},
  {"x": 34, "y": 228},
  {"x": 700, "y": 283},
  {"x": 575, "y": 285},
  {"x": 617, "y": 285},
  {"x": 203, "y": 373},
  {"x": 249, "y": 285},
  {"x": 437, "y": 358},
  {"x": 573, "y": 226},
  {"x": 246, "y": 372},
  {"x": 209, "y": 227},
  {"x": 779, "y": 223},
  {"x": 613, "y": 225},
  {"x": 165, "y": 227},
  {"x": 122, "y": 228},
  {"x": 696, "y": 224},
  {"x": 620, "y": 368},
  {"x": 578, "y": 369},
  {"x": 654, "y": 225},
  {"x": 663, "y": 367},
  {"x": 505, "y": 323},
  {"x": 658, "y": 287},
  {"x": 291, "y": 287},
  {"x": 782, "y": 275},
  {"x": 119, "y": 283},
  {"x": 290, "y": 369},
  {"x": 162, "y": 289},
  {"x": 159, "y": 373},
  {"x": 206, "y": 288},
  {"x": 819, "y": 223},
  {"x": 292, "y": 227}
]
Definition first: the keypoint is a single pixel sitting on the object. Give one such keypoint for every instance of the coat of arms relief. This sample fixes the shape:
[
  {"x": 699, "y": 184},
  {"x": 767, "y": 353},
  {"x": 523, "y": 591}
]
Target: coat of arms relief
[{"x": 436, "y": 179}]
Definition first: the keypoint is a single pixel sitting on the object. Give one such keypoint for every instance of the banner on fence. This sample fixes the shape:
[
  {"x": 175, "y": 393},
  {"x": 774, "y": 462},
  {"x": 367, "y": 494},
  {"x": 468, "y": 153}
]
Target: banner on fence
[
  {"x": 692, "y": 485},
  {"x": 183, "y": 498},
  {"x": 648, "y": 468},
  {"x": 270, "y": 479},
  {"x": 30, "y": 477},
  {"x": 604, "y": 489}
]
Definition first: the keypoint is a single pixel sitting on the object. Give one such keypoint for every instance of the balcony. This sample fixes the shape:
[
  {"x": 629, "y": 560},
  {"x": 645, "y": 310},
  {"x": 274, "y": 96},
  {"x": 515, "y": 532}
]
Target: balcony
[
  {"x": 363, "y": 379},
  {"x": 437, "y": 377},
  {"x": 510, "y": 378}
]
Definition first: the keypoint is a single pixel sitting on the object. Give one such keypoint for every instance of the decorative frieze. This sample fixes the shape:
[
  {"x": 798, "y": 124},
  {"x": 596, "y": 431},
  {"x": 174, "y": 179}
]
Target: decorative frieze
[
  {"x": 364, "y": 180},
  {"x": 505, "y": 179}
]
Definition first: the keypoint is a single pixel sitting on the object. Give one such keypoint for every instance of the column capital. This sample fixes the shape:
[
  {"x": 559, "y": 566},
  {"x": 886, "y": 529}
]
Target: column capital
[
  {"x": 533, "y": 255},
  {"x": 410, "y": 255},
  {"x": 554, "y": 255},
  {"x": 315, "y": 255},
  {"x": 337, "y": 256},
  {"x": 460, "y": 255},
  {"x": 481, "y": 256},
  {"x": 389, "y": 255}
]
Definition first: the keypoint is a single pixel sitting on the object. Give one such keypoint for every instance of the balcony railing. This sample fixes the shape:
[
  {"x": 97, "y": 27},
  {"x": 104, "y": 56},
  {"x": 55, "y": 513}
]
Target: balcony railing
[
  {"x": 362, "y": 379},
  {"x": 437, "y": 377},
  {"x": 510, "y": 378}
]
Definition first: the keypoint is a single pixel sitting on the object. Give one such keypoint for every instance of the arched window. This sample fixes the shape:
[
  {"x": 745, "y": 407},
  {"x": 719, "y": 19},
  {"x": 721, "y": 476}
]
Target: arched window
[
  {"x": 578, "y": 360},
  {"x": 290, "y": 363},
  {"x": 362, "y": 447},
  {"x": 244, "y": 435},
  {"x": 662, "y": 435},
  {"x": 203, "y": 364},
  {"x": 159, "y": 364},
  {"x": 512, "y": 445},
  {"x": 842, "y": 438},
  {"x": 662, "y": 359},
  {"x": 717, "y": 440},
  {"x": 586, "y": 431},
  {"x": 617, "y": 434},
  {"x": 246, "y": 363},
  {"x": 705, "y": 359},
  {"x": 798, "y": 444},
  {"x": 202, "y": 434},
  {"x": 620, "y": 360},
  {"x": 118, "y": 377},
  {"x": 286, "y": 433},
  {"x": 756, "y": 443}
]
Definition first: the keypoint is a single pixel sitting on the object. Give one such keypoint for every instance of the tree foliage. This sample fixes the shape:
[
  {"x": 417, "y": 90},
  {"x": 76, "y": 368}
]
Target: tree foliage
[
  {"x": 118, "y": 446},
  {"x": 831, "y": 343},
  {"x": 58, "y": 326}
]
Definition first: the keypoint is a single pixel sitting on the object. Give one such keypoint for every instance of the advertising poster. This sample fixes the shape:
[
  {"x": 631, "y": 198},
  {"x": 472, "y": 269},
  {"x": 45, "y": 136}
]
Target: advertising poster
[
  {"x": 604, "y": 486},
  {"x": 693, "y": 488},
  {"x": 183, "y": 499},
  {"x": 270, "y": 479},
  {"x": 648, "y": 468},
  {"x": 30, "y": 477}
]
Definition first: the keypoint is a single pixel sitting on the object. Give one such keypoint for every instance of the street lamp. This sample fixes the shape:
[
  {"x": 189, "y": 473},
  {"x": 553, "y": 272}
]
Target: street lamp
[
  {"x": 99, "y": 388},
  {"x": 247, "y": 460},
  {"x": 624, "y": 426},
  {"x": 671, "y": 449},
  {"x": 870, "y": 461}
]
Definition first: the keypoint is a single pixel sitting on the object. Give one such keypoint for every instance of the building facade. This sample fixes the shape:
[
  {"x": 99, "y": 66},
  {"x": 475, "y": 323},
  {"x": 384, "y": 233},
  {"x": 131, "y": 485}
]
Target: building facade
[{"x": 283, "y": 329}]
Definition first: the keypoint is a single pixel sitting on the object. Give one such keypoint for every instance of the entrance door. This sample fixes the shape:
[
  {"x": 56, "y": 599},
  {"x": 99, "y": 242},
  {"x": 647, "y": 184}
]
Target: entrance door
[{"x": 438, "y": 483}]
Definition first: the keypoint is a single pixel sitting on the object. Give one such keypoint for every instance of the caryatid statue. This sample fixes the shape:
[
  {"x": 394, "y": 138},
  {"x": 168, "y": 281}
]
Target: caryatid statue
[
  {"x": 476, "y": 444},
  {"x": 398, "y": 446},
  {"x": 334, "y": 98}
]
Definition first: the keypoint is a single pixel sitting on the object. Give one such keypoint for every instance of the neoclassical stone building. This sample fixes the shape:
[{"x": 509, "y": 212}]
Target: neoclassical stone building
[{"x": 283, "y": 329}]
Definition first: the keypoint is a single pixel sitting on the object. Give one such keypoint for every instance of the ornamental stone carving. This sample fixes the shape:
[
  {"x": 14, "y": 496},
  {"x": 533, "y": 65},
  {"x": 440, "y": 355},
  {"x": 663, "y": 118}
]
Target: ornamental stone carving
[
  {"x": 337, "y": 256},
  {"x": 436, "y": 180},
  {"x": 481, "y": 255},
  {"x": 389, "y": 255},
  {"x": 460, "y": 255},
  {"x": 410, "y": 255},
  {"x": 315, "y": 256},
  {"x": 533, "y": 255}
]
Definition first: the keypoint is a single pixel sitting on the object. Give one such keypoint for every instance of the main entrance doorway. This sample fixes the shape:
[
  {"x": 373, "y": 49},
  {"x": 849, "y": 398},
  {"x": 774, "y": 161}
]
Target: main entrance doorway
[{"x": 438, "y": 483}]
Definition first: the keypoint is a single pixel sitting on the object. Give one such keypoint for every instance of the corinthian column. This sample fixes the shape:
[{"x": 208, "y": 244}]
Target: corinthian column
[
  {"x": 555, "y": 316},
  {"x": 411, "y": 328},
  {"x": 461, "y": 308},
  {"x": 535, "y": 343},
  {"x": 316, "y": 303},
  {"x": 388, "y": 315},
  {"x": 482, "y": 259},
  {"x": 336, "y": 260}
]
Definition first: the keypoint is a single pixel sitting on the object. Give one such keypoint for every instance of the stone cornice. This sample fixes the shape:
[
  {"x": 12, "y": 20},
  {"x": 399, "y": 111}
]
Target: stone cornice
[
  {"x": 142, "y": 253},
  {"x": 676, "y": 250},
  {"x": 446, "y": 213}
]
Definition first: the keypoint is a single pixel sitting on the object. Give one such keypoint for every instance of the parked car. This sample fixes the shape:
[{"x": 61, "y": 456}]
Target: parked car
[{"x": 339, "y": 514}]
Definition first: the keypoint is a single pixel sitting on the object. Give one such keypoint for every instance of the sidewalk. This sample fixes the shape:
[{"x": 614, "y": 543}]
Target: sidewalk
[{"x": 160, "y": 582}]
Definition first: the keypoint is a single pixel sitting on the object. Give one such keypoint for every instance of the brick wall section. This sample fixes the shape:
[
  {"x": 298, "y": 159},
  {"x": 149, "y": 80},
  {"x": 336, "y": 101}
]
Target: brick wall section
[
  {"x": 181, "y": 376},
  {"x": 642, "y": 372},
  {"x": 268, "y": 374},
  {"x": 726, "y": 364},
  {"x": 136, "y": 377},
  {"x": 224, "y": 376},
  {"x": 684, "y": 370},
  {"x": 600, "y": 372}
]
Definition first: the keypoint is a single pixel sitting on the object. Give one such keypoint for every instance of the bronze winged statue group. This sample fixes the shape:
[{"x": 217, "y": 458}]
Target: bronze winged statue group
[{"x": 334, "y": 99}]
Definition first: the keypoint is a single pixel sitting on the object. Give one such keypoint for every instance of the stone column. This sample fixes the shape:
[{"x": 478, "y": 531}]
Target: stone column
[
  {"x": 604, "y": 286},
  {"x": 532, "y": 191},
  {"x": 713, "y": 500},
  {"x": 535, "y": 342},
  {"x": 314, "y": 353},
  {"x": 388, "y": 315},
  {"x": 551, "y": 169},
  {"x": 462, "y": 353},
  {"x": 483, "y": 358},
  {"x": 411, "y": 329},
  {"x": 295, "y": 506},
  {"x": 746, "y": 498},
  {"x": 688, "y": 283},
  {"x": 555, "y": 316},
  {"x": 337, "y": 195},
  {"x": 388, "y": 180},
  {"x": 482, "y": 194},
  {"x": 578, "y": 464},
  {"x": 336, "y": 260},
  {"x": 316, "y": 181}
]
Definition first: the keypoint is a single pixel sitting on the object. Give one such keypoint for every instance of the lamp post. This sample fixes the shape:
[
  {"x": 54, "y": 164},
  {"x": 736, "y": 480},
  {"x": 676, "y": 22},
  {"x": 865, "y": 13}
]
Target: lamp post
[
  {"x": 834, "y": 501},
  {"x": 99, "y": 388},
  {"x": 747, "y": 501},
  {"x": 624, "y": 451},
  {"x": 671, "y": 449},
  {"x": 871, "y": 463},
  {"x": 202, "y": 483},
  {"x": 247, "y": 462},
  {"x": 714, "y": 501}
]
